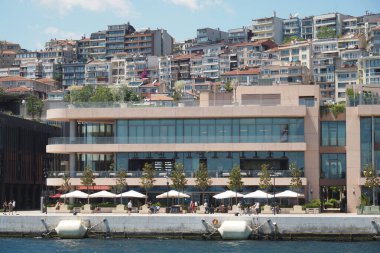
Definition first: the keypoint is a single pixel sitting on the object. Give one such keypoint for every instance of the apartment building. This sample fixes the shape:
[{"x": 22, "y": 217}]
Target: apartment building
[
  {"x": 209, "y": 35},
  {"x": 330, "y": 20},
  {"x": 115, "y": 38},
  {"x": 98, "y": 73},
  {"x": 292, "y": 26},
  {"x": 250, "y": 54},
  {"x": 268, "y": 28},
  {"x": 149, "y": 42},
  {"x": 369, "y": 71},
  {"x": 19, "y": 84},
  {"x": 81, "y": 49},
  {"x": 227, "y": 61},
  {"x": 325, "y": 61},
  {"x": 345, "y": 77},
  {"x": 196, "y": 67},
  {"x": 374, "y": 40},
  {"x": 244, "y": 76},
  {"x": 73, "y": 74},
  {"x": 210, "y": 66},
  {"x": 97, "y": 46},
  {"x": 307, "y": 28},
  {"x": 239, "y": 35},
  {"x": 288, "y": 73},
  {"x": 165, "y": 72},
  {"x": 11, "y": 71},
  {"x": 296, "y": 51}
]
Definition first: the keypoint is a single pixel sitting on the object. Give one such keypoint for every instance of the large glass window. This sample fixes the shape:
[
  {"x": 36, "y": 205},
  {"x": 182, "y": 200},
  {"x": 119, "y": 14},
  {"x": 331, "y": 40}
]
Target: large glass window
[
  {"x": 211, "y": 130},
  {"x": 333, "y": 133},
  {"x": 333, "y": 166}
]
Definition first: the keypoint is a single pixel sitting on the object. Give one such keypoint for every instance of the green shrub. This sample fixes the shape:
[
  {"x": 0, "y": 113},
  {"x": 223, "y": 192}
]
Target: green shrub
[
  {"x": 328, "y": 205},
  {"x": 315, "y": 203}
]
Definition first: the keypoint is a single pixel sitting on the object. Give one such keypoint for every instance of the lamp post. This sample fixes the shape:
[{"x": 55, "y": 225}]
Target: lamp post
[
  {"x": 167, "y": 191},
  {"x": 274, "y": 174},
  {"x": 45, "y": 175}
]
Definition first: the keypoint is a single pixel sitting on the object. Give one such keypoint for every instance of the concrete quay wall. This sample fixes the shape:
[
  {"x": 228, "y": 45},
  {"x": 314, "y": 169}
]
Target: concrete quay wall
[{"x": 192, "y": 224}]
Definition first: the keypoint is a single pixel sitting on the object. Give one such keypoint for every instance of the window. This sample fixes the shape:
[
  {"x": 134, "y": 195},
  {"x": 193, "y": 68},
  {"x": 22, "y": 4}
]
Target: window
[
  {"x": 333, "y": 166},
  {"x": 333, "y": 133},
  {"x": 307, "y": 101}
]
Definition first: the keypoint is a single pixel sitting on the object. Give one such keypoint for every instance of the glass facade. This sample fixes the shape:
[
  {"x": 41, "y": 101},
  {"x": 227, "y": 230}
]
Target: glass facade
[
  {"x": 333, "y": 166},
  {"x": 218, "y": 163},
  {"x": 370, "y": 150},
  {"x": 94, "y": 130},
  {"x": 242, "y": 130},
  {"x": 97, "y": 162},
  {"x": 333, "y": 133}
]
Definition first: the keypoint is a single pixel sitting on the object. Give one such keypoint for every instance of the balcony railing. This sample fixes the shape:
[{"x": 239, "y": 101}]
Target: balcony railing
[
  {"x": 164, "y": 174},
  {"x": 177, "y": 139},
  {"x": 194, "y": 103}
]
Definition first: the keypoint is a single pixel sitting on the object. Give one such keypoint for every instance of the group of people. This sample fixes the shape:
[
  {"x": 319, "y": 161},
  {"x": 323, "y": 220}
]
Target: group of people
[
  {"x": 9, "y": 207},
  {"x": 255, "y": 208}
]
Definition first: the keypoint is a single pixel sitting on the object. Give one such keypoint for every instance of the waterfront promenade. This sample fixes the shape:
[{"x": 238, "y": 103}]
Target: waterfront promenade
[{"x": 26, "y": 223}]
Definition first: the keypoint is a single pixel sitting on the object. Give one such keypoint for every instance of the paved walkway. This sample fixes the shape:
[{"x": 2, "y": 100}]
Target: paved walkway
[{"x": 38, "y": 213}]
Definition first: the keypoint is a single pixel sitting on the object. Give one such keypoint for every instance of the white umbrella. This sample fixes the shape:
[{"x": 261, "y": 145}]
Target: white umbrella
[
  {"x": 103, "y": 194},
  {"x": 75, "y": 194},
  {"x": 172, "y": 194},
  {"x": 131, "y": 194},
  {"x": 227, "y": 195},
  {"x": 258, "y": 195},
  {"x": 289, "y": 194}
]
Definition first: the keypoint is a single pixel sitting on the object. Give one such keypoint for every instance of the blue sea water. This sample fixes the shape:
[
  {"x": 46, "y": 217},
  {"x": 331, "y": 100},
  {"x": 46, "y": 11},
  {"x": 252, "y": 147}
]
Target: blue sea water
[{"x": 18, "y": 245}]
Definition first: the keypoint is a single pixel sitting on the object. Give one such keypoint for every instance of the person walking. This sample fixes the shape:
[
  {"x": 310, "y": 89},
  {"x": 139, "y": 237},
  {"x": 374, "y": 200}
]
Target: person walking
[
  {"x": 10, "y": 207},
  {"x": 5, "y": 207},
  {"x": 14, "y": 205},
  {"x": 129, "y": 206}
]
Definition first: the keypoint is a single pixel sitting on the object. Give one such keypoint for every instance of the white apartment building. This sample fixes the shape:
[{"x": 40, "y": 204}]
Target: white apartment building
[
  {"x": 268, "y": 28},
  {"x": 296, "y": 51},
  {"x": 98, "y": 73}
]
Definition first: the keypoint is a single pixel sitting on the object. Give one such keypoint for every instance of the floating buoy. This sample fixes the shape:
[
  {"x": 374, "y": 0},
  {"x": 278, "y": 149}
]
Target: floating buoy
[{"x": 215, "y": 222}]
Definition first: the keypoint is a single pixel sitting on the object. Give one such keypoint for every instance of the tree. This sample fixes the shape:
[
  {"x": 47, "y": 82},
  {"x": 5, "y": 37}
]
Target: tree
[
  {"x": 202, "y": 178},
  {"x": 101, "y": 94},
  {"x": 178, "y": 89},
  {"x": 228, "y": 87},
  {"x": 265, "y": 180},
  {"x": 235, "y": 183},
  {"x": 178, "y": 177},
  {"x": 121, "y": 182},
  {"x": 289, "y": 39},
  {"x": 88, "y": 179},
  {"x": 82, "y": 94},
  {"x": 147, "y": 178},
  {"x": 65, "y": 186},
  {"x": 371, "y": 180},
  {"x": 326, "y": 32},
  {"x": 34, "y": 106},
  {"x": 295, "y": 182}
]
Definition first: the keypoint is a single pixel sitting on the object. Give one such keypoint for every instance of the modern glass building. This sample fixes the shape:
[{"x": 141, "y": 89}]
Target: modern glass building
[{"x": 260, "y": 125}]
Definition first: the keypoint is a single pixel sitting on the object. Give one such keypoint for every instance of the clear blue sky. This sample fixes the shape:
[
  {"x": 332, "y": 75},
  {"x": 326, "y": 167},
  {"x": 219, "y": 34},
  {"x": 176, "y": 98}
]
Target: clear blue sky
[{"x": 33, "y": 22}]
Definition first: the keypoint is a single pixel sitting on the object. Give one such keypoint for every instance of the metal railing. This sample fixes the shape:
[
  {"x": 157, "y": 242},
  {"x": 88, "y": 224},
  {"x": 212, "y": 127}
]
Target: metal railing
[
  {"x": 177, "y": 139},
  {"x": 191, "y": 103},
  {"x": 164, "y": 174}
]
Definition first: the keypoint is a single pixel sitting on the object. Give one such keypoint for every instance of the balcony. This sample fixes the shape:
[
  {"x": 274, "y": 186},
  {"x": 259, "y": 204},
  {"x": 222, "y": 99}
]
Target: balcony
[{"x": 163, "y": 174}]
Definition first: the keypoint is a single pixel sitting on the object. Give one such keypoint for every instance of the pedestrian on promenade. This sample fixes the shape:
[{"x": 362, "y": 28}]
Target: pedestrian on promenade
[
  {"x": 14, "y": 205},
  {"x": 5, "y": 207},
  {"x": 129, "y": 206},
  {"x": 10, "y": 207}
]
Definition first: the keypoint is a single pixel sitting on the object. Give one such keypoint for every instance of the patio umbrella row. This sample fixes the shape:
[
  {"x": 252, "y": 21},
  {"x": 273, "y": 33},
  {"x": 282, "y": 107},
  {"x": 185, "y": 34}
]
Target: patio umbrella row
[
  {"x": 102, "y": 194},
  {"x": 176, "y": 194}
]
